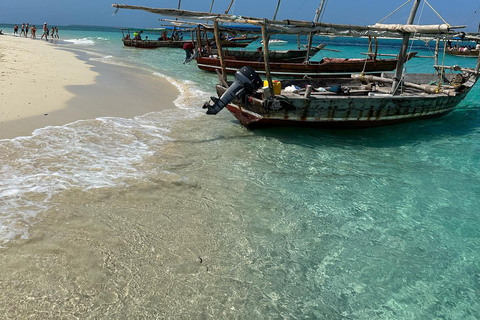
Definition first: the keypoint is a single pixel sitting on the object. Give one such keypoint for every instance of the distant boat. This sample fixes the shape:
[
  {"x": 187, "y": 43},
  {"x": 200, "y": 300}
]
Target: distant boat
[
  {"x": 175, "y": 42},
  {"x": 464, "y": 52},
  {"x": 276, "y": 42},
  {"x": 130, "y": 41}
]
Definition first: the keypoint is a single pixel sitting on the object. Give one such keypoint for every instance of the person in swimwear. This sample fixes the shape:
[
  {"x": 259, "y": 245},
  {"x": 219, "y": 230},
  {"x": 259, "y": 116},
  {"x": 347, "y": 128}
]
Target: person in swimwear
[
  {"x": 33, "y": 31},
  {"x": 45, "y": 31}
]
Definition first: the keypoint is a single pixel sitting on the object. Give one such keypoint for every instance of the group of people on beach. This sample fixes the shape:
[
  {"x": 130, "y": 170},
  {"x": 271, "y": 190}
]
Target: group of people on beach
[{"x": 33, "y": 30}]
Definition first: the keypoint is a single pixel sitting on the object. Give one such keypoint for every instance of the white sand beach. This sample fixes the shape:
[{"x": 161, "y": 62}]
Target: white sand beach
[{"x": 44, "y": 84}]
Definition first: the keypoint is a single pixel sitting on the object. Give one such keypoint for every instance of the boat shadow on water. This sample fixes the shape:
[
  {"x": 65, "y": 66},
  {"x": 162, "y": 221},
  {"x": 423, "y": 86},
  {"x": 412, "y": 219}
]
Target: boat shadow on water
[{"x": 461, "y": 122}]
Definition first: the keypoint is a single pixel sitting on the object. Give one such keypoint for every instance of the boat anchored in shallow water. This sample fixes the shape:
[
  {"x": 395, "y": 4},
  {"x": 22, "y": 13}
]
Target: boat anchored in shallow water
[{"x": 356, "y": 101}]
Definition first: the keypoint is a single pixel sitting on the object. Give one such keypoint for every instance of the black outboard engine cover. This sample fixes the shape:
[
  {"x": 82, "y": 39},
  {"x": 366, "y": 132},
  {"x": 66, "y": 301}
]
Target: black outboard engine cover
[{"x": 246, "y": 82}]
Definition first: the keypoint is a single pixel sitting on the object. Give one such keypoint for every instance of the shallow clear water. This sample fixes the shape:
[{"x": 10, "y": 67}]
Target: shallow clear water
[{"x": 186, "y": 215}]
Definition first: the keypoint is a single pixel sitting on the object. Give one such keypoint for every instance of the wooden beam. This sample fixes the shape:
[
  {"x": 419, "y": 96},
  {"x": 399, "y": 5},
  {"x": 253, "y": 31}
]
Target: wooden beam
[
  {"x": 265, "y": 57},
  {"x": 220, "y": 51},
  {"x": 199, "y": 39}
]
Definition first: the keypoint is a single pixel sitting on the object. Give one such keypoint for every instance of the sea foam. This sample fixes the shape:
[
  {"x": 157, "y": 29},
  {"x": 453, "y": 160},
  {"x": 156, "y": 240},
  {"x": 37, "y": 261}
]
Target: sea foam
[
  {"x": 84, "y": 155},
  {"x": 83, "y": 41}
]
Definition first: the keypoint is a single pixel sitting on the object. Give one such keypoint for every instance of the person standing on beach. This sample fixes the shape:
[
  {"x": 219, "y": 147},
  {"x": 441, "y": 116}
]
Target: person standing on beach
[
  {"x": 34, "y": 30},
  {"x": 26, "y": 30},
  {"x": 56, "y": 33},
  {"x": 45, "y": 31},
  {"x": 15, "y": 30},
  {"x": 52, "y": 32},
  {"x": 23, "y": 29}
]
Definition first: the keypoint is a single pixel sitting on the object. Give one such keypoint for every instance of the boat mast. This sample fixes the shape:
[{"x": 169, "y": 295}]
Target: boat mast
[
  {"x": 310, "y": 35},
  {"x": 403, "y": 50},
  {"x": 211, "y": 6},
  {"x": 176, "y": 19},
  {"x": 276, "y": 10},
  {"x": 274, "y": 18},
  {"x": 228, "y": 9}
]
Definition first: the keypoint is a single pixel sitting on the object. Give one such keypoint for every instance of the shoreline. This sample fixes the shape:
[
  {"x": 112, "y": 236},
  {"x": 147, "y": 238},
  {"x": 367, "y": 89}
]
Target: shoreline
[{"x": 43, "y": 84}]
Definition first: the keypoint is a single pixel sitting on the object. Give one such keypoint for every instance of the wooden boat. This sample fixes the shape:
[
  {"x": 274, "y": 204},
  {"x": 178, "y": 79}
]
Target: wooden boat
[
  {"x": 292, "y": 64},
  {"x": 463, "y": 46},
  {"x": 151, "y": 44},
  {"x": 357, "y": 101},
  {"x": 324, "y": 67},
  {"x": 130, "y": 41},
  {"x": 464, "y": 52}
]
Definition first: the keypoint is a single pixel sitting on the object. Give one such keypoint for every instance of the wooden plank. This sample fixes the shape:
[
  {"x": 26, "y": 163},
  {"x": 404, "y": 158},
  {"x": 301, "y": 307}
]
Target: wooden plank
[
  {"x": 266, "y": 59},
  {"x": 220, "y": 51}
]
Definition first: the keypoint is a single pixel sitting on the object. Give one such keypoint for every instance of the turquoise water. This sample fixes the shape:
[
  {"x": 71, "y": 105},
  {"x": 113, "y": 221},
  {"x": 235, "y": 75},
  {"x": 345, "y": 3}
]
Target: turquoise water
[{"x": 371, "y": 224}]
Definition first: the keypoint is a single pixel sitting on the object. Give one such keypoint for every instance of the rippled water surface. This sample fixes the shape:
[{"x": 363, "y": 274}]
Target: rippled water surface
[{"x": 181, "y": 215}]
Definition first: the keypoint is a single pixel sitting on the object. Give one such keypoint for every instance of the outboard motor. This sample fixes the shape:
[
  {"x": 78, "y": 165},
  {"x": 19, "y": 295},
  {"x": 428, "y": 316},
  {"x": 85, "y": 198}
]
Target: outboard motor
[{"x": 246, "y": 82}]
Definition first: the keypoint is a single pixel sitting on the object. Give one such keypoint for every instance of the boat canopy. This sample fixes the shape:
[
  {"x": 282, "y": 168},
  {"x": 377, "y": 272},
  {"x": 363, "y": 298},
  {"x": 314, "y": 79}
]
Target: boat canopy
[
  {"x": 306, "y": 27},
  {"x": 223, "y": 28}
]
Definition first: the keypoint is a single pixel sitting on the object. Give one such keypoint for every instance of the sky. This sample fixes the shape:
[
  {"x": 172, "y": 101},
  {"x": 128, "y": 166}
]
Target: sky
[{"x": 359, "y": 12}]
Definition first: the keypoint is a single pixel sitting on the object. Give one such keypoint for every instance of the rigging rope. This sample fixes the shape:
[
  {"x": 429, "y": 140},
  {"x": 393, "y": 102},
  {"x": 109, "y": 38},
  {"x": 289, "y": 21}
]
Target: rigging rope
[
  {"x": 300, "y": 7},
  {"x": 394, "y": 11},
  {"x": 437, "y": 13},
  {"x": 473, "y": 17},
  {"x": 323, "y": 11}
]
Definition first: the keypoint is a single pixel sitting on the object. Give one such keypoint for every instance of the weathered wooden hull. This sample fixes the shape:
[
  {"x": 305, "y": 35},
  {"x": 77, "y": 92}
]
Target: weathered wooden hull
[
  {"x": 332, "y": 111},
  {"x": 296, "y": 69}
]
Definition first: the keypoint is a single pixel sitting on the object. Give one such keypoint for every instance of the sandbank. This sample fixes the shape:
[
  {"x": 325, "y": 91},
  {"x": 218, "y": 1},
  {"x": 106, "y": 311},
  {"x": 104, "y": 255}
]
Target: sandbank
[{"x": 43, "y": 84}]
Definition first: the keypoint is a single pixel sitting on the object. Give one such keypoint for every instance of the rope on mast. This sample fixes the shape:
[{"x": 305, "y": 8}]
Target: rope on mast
[
  {"x": 395, "y": 11},
  {"x": 437, "y": 13}
]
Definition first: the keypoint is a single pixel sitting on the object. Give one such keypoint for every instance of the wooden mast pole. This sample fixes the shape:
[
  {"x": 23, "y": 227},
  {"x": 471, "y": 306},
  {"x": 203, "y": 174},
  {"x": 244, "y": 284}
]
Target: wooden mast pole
[
  {"x": 310, "y": 35},
  {"x": 211, "y": 7},
  {"x": 176, "y": 19},
  {"x": 230, "y": 5},
  {"x": 274, "y": 18},
  {"x": 276, "y": 10},
  {"x": 220, "y": 51},
  {"x": 265, "y": 58},
  {"x": 199, "y": 39},
  {"x": 403, "y": 50},
  {"x": 437, "y": 49}
]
